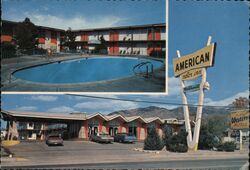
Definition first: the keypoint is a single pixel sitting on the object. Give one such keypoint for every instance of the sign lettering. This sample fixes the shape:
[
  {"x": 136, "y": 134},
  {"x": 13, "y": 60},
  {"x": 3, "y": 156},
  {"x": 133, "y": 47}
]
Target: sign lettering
[
  {"x": 199, "y": 59},
  {"x": 192, "y": 74},
  {"x": 240, "y": 119}
]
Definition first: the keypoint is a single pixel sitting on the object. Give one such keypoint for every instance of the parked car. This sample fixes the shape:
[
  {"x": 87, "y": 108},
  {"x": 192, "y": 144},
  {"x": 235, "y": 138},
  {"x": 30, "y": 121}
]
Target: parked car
[
  {"x": 54, "y": 140},
  {"x": 102, "y": 138},
  {"x": 5, "y": 152},
  {"x": 124, "y": 138}
]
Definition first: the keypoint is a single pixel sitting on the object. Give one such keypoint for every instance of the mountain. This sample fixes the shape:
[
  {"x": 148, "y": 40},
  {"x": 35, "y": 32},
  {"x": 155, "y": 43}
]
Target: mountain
[{"x": 153, "y": 111}]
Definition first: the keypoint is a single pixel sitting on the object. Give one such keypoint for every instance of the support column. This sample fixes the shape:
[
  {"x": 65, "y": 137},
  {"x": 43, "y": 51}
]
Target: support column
[{"x": 8, "y": 130}]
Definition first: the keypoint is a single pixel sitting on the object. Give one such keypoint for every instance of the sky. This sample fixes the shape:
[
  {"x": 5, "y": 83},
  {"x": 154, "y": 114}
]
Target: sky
[
  {"x": 190, "y": 24},
  {"x": 80, "y": 14}
]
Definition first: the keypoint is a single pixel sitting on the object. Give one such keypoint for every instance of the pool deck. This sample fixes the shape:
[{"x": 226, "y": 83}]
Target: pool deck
[{"x": 135, "y": 84}]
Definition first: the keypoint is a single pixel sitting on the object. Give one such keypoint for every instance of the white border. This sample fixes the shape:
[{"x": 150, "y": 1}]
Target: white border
[{"x": 117, "y": 93}]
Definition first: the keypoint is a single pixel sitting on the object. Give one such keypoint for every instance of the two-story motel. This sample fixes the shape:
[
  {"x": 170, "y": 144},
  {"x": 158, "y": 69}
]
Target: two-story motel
[
  {"x": 124, "y": 40},
  {"x": 35, "y": 125}
]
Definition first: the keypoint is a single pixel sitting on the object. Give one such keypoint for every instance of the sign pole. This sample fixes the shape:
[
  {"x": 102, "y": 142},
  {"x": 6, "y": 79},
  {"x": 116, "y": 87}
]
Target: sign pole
[
  {"x": 240, "y": 140},
  {"x": 193, "y": 143},
  {"x": 185, "y": 109},
  {"x": 200, "y": 104}
]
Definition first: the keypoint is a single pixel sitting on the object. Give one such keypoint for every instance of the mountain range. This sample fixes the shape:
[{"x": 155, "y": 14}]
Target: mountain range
[{"x": 163, "y": 113}]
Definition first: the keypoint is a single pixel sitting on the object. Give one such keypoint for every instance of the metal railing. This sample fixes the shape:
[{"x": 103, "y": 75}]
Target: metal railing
[{"x": 139, "y": 69}]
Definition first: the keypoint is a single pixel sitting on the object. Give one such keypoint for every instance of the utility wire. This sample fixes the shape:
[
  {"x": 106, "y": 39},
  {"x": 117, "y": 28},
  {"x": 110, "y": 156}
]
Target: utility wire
[{"x": 143, "y": 101}]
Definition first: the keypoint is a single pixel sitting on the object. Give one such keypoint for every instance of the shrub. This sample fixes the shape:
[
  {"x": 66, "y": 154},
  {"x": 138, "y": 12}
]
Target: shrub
[
  {"x": 177, "y": 143},
  {"x": 8, "y": 50},
  {"x": 153, "y": 140},
  {"x": 207, "y": 140},
  {"x": 227, "y": 146},
  {"x": 178, "y": 148}
]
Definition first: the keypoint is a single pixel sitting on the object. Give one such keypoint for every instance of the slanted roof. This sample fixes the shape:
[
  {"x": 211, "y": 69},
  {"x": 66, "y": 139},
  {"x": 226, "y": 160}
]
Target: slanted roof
[
  {"x": 112, "y": 117},
  {"x": 95, "y": 115},
  {"x": 132, "y": 118},
  {"x": 45, "y": 115},
  {"x": 154, "y": 119}
]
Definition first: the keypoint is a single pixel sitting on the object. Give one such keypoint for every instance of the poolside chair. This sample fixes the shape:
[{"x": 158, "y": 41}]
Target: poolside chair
[
  {"x": 120, "y": 51},
  {"x": 124, "y": 38},
  {"x": 138, "y": 52}
]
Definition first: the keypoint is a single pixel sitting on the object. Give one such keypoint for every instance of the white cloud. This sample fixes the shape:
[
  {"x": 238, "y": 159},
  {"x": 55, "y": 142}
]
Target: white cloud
[
  {"x": 226, "y": 101},
  {"x": 106, "y": 106},
  {"x": 26, "y": 108},
  {"x": 44, "y": 98},
  {"x": 174, "y": 86},
  {"x": 62, "y": 109},
  {"x": 76, "y": 22}
]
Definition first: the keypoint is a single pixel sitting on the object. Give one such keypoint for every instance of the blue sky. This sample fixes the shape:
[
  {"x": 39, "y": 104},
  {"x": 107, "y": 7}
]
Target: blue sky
[
  {"x": 190, "y": 24},
  {"x": 84, "y": 13}
]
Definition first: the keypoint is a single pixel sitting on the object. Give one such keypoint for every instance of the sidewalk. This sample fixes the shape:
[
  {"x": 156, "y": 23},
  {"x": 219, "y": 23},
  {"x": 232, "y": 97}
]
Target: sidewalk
[{"x": 117, "y": 158}]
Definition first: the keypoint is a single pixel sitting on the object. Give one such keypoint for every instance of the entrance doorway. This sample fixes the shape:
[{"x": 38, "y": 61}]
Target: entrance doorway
[
  {"x": 92, "y": 131},
  {"x": 133, "y": 131},
  {"x": 113, "y": 131}
]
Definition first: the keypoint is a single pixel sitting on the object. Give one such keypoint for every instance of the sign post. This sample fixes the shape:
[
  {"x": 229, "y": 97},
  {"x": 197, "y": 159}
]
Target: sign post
[{"x": 190, "y": 67}]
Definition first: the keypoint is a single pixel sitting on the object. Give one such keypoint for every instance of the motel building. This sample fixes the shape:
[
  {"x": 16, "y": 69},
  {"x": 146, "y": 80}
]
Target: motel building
[
  {"x": 48, "y": 38},
  {"x": 125, "y": 40},
  {"x": 37, "y": 125}
]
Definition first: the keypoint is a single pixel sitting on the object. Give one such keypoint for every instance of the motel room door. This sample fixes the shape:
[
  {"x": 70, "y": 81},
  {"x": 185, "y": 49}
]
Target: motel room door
[
  {"x": 113, "y": 127},
  {"x": 132, "y": 128},
  {"x": 93, "y": 127}
]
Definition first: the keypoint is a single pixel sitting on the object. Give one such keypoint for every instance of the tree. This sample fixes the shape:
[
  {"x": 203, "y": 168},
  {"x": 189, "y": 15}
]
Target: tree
[
  {"x": 167, "y": 133},
  {"x": 70, "y": 38},
  {"x": 101, "y": 48},
  {"x": 216, "y": 124},
  {"x": 153, "y": 140},
  {"x": 241, "y": 103},
  {"x": 178, "y": 142},
  {"x": 25, "y": 35},
  {"x": 207, "y": 140}
]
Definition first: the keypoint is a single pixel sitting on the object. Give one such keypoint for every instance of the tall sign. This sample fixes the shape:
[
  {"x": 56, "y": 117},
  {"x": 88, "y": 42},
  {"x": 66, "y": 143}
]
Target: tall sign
[
  {"x": 240, "y": 119},
  {"x": 190, "y": 67}
]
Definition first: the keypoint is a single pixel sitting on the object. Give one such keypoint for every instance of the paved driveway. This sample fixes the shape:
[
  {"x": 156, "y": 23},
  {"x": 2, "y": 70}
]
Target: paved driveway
[{"x": 84, "y": 152}]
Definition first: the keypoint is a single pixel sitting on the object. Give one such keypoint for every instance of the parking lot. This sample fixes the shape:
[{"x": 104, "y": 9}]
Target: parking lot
[
  {"x": 86, "y": 152},
  {"x": 72, "y": 152}
]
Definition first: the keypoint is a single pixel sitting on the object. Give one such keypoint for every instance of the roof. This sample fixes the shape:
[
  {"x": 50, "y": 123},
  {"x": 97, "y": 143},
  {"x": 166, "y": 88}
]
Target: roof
[
  {"x": 45, "y": 115},
  {"x": 38, "y": 26},
  {"x": 123, "y": 27},
  {"x": 81, "y": 117},
  {"x": 112, "y": 117},
  {"x": 152, "y": 119},
  {"x": 96, "y": 29}
]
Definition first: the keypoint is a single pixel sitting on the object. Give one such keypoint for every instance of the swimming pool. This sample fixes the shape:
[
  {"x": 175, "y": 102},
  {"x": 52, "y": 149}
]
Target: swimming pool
[{"x": 84, "y": 70}]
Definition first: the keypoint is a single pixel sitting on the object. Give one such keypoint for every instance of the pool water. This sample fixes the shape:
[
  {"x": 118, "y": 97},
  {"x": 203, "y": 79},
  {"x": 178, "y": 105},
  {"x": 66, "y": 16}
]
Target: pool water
[{"x": 83, "y": 70}]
